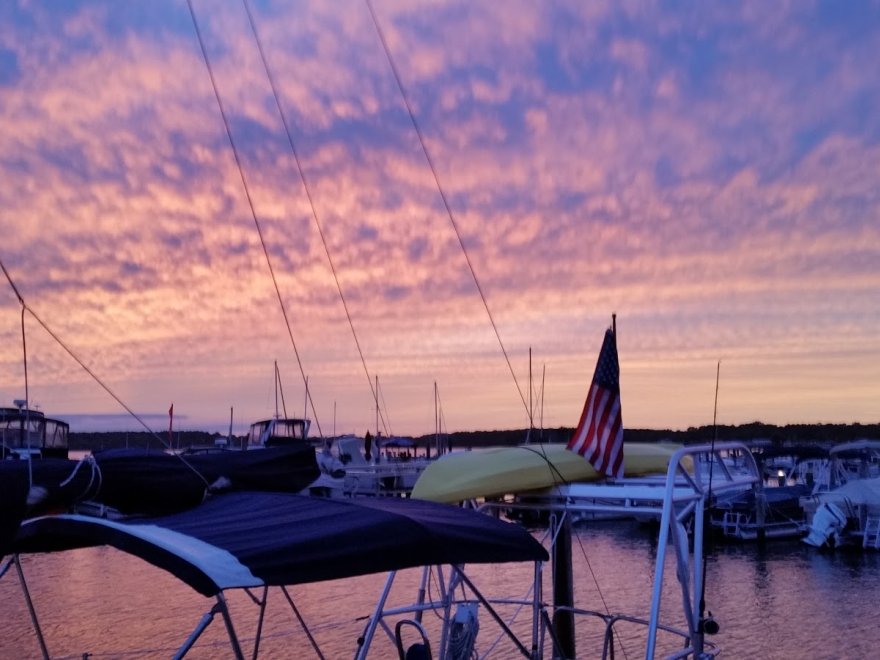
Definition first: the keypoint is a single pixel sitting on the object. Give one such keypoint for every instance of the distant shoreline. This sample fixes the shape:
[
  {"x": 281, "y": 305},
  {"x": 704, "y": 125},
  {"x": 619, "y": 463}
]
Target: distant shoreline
[{"x": 755, "y": 431}]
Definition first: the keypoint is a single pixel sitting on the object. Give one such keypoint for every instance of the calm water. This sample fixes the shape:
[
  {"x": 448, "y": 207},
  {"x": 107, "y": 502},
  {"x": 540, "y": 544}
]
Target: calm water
[{"x": 788, "y": 601}]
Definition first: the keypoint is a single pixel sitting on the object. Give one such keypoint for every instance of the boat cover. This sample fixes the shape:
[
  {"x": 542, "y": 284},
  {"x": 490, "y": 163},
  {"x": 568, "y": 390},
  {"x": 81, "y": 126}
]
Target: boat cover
[
  {"x": 142, "y": 482},
  {"x": 137, "y": 481},
  {"x": 500, "y": 470},
  {"x": 13, "y": 503},
  {"x": 249, "y": 539},
  {"x": 775, "y": 496},
  {"x": 28, "y": 488},
  {"x": 855, "y": 491}
]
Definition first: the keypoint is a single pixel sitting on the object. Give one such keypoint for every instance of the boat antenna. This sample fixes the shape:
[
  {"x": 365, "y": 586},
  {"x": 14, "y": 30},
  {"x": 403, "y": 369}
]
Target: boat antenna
[
  {"x": 311, "y": 200},
  {"x": 708, "y": 624},
  {"x": 531, "y": 402},
  {"x": 437, "y": 420},
  {"x": 541, "y": 417},
  {"x": 445, "y": 200},
  {"x": 250, "y": 200}
]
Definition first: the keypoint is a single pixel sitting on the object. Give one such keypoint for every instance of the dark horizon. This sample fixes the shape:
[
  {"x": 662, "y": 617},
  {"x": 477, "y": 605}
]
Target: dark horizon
[{"x": 750, "y": 432}]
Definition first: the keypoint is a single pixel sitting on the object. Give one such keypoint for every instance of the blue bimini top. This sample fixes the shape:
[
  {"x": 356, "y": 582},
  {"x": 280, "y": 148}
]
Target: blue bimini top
[{"x": 249, "y": 539}]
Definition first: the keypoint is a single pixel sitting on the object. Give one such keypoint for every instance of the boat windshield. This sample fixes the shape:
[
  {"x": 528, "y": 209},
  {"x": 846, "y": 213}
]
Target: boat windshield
[
  {"x": 275, "y": 431},
  {"x": 22, "y": 428}
]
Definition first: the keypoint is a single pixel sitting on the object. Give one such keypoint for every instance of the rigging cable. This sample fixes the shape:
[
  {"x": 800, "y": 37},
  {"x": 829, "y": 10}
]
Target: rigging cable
[
  {"x": 91, "y": 373},
  {"x": 599, "y": 591},
  {"x": 26, "y": 390},
  {"x": 446, "y": 204},
  {"x": 312, "y": 205},
  {"x": 250, "y": 200},
  {"x": 381, "y": 396}
]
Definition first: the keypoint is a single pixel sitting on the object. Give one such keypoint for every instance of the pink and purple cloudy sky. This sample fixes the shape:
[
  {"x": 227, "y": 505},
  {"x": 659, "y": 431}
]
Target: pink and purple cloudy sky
[{"x": 707, "y": 171}]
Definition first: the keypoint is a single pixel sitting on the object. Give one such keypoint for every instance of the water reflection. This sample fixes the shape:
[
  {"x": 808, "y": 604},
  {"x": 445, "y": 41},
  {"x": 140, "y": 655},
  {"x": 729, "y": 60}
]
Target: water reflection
[{"x": 784, "y": 601}]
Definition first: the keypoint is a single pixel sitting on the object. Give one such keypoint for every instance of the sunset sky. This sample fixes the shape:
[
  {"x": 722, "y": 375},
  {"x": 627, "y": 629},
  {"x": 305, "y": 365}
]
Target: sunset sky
[{"x": 710, "y": 172}]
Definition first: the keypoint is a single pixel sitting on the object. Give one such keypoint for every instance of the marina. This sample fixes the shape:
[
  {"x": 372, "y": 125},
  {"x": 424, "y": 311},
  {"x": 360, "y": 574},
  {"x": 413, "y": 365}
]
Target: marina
[
  {"x": 424, "y": 191},
  {"x": 782, "y": 602},
  {"x": 676, "y": 505},
  {"x": 248, "y": 540}
]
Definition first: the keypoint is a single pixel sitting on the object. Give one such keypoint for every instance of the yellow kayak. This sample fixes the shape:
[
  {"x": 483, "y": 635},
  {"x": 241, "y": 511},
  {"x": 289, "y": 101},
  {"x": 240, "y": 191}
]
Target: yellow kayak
[{"x": 500, "y": 470}]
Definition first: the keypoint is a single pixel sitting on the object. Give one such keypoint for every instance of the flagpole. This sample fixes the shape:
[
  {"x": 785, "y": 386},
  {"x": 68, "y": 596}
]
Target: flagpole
[{"x": 614, "y": 324}]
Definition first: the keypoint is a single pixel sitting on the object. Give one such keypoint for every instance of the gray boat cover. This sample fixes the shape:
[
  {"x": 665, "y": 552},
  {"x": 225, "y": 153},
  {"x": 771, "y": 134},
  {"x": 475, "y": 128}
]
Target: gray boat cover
[{"x": 249, "y": 539}]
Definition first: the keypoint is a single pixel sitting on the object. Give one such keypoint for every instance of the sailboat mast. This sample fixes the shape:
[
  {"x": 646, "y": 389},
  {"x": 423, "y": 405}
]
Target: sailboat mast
[
  {"x": 530, "y": 406},
  {"x": 276, "y": 389},
  {"x": 306, "y": 401},
  {"x": 436, "y": 422},
  {"x": 543, "y": 380}
]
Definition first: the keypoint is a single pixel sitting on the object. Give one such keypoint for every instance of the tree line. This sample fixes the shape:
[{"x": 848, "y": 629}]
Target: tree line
[{"x": 825, "y": 434}]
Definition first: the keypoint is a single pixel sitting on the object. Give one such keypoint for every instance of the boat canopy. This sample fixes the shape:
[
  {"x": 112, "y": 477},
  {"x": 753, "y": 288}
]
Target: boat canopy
[
  {"x": 398, "y": 442},
  {"x": 854, "y": 492},
  {"x": 856, "y": 448},
  {"x": 803, "y": 452},
  {"x": 250, "y": 539},
  {"x": 22, "y": 429},
  {"x": 278, "y": 431}
]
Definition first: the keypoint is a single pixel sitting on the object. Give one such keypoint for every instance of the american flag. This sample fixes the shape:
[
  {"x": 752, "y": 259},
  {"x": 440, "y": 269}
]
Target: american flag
[{"x": 599, "y": 435}]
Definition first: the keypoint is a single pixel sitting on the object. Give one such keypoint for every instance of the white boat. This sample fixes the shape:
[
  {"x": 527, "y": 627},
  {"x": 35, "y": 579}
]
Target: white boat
[
  {"x": 392, "y": 467},
  {"x": 773, "y": 509},
  {"x": 844, "y": 511},
  {"x": 848, "y": 516},
  {"x": 350, "y": 466},
  {"x": 859, "y": 459}
]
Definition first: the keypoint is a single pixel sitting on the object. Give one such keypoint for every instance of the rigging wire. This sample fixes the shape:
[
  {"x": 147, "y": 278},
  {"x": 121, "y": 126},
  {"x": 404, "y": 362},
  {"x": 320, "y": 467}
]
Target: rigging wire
[
  {"x": 381, "y": 395},
  {"x": 445, "y": 200},
  {"x": 250, "y": 201},
  {"x": 280, "y": 389},
  {"x": 27, "y": 394},
  {"x": 599, "y": 591},
  {"x": 312, "y": 205},
  {"x": 27, "y": 397},
  {"x": 91, "y": 373}
]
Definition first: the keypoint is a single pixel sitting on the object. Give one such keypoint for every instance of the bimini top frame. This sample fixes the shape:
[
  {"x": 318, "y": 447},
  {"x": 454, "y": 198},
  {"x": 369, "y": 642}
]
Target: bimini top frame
[{"x": 249, "y": 540}]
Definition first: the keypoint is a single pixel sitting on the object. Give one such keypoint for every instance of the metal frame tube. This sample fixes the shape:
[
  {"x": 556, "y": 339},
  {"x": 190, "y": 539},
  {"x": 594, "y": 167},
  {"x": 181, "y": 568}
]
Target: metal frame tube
[{"x": 30, "y": 606}]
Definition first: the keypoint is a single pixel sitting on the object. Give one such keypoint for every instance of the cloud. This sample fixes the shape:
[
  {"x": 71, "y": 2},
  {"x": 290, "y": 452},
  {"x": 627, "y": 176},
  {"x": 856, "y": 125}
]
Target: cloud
[{"x": 709, "y": 175}]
